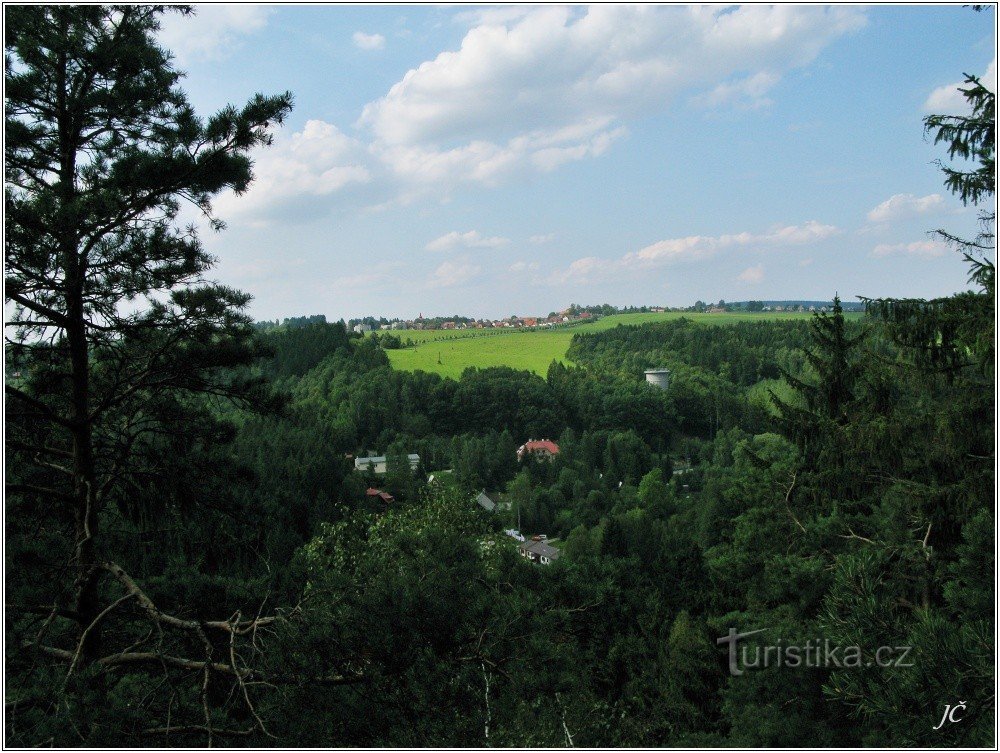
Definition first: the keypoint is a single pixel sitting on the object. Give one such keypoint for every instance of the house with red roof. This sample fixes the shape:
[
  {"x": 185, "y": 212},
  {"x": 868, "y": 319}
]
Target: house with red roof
[
  {"x": 384, "y": 496},
  {"x": 541, "y": 449}
]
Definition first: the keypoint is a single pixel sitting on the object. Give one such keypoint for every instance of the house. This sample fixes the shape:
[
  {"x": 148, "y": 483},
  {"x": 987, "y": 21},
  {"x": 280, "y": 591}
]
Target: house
[
  {"x": 384, "y": 496},
  {"x": 485, "y": 502},
  {"x": 380, "y": 464},
  {"x": 362, "y": 328},
  {"x": 537, "y": 550},
  {"x": 542, "y": 449}
]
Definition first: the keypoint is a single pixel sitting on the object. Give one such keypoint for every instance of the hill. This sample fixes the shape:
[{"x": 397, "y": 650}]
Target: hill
[{"x": 450, "y": 352}]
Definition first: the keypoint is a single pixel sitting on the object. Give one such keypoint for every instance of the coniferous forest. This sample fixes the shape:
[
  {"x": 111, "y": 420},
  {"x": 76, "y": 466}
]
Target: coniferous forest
[{"x": 192, "y": 559}]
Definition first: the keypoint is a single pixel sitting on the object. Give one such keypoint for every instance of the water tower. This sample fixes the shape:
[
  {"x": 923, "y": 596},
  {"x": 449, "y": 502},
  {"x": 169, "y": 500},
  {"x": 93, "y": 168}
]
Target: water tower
[{"x": 658, "y": 378}]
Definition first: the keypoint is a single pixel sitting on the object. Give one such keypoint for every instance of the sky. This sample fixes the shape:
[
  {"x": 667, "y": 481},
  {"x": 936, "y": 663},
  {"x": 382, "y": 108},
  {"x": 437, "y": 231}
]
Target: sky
[{"x": 499, "y": 160}]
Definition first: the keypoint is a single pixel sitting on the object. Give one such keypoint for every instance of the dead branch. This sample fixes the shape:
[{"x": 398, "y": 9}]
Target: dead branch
[
  {"x": 197, "y": 729},
  {"x": 852, "y": 535},
  {"x": 788, "y": 504}
]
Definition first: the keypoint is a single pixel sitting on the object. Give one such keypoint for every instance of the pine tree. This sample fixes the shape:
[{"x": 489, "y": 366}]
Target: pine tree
[{"x": 118, "y": 335}]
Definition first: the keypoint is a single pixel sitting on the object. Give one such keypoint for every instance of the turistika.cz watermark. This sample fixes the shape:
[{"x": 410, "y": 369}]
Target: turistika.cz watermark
[{"x": 816, "y": 653}]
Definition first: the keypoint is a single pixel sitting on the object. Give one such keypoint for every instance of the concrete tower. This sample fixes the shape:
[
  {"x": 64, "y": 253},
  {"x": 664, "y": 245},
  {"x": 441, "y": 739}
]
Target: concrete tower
[{"x": 658, "y": 378}]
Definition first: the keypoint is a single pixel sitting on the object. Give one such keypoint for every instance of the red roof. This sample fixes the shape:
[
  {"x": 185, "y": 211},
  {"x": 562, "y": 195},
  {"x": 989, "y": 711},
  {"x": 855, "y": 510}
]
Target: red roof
[
  {"x": 546, "y": 445},
  {"x": 384, "y": 496}
]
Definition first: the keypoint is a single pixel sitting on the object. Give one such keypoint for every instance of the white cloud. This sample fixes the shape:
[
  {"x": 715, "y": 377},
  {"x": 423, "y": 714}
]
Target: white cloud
[
  {"x": 492, "y": 15},
  {"x": 581, "y": 270},
  {"x": 947, "y": 99},
  {"x": 368, "y": 41},
  {"x": 928, "y": 249},
  {"x": 452, "y": 273},
  {"x": 533, "y": 89},
  {"x": 540, "y": 239},
  {"x": 524, "y": 266},
  {"x": 471, "y": 239},
  {"x": 213, "y": 31},
  {"x": 698, "y": 246},
  {"x": 485, "y": 162},
  {"x": 746, "y": 93},
  {"x": 317, "y": 161},
  {"x": 695, "y": 248},
  {"x": 751, "y": 275},
  {"x": 903, "y": 205}
]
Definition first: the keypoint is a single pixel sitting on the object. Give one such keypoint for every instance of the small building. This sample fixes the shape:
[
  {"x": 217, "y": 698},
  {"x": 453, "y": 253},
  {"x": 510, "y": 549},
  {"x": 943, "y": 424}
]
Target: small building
[
  {"x": 538, "y": 551},
  {"x": 658, "y": 377},
  {"x": 541, "y": 449},
  {"x": 384, "y": 496},
  {"x": 362, "y": 328},
  {"x": 484, "y": 501},
  {"x": 380, "y": 464}
]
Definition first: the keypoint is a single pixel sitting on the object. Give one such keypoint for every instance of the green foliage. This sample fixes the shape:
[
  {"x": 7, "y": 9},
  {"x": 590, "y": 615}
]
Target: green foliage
[{"x": 810, "y": 479}]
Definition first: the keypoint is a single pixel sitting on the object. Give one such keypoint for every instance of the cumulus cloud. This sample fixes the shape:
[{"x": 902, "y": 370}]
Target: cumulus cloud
[
  {"x": 751, "y": 275},
  {"x": 540, "y": 239},
  {"x": 212, "y": 32},
  {"x": 451, "y": 273},
  {"x": 471, "y": 239},
  {"x": 927, "y": 249},
  {"x": 487, "y": 163},
  {"x": 533, "y": 89},
  {"x": 745, "y": 93},
  {"x": 699, "y": 246},
  {"x": 695, "y": 248},
  {"x": 948, "y": 99},
  {"x": 315, "y": 162},
  {"x": 582, "y": 270},
  {"x": 368, "y": 41},
  {"x": 903, "y": 205}
]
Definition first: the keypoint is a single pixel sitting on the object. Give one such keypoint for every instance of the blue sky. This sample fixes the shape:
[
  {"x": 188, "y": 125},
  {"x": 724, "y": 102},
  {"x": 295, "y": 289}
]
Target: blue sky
[{"x": 497, "y": 160}]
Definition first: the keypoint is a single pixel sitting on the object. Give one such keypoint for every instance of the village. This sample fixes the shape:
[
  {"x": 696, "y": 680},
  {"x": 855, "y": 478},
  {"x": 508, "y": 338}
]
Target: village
[
  {"x": 535, "y": 548},
  {"x": 576, "y": 314},
  {"x": 566, "y": 316}
]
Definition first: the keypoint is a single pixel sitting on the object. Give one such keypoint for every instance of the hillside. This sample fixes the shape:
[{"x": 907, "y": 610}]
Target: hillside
[{"x": 450, "y": 352}]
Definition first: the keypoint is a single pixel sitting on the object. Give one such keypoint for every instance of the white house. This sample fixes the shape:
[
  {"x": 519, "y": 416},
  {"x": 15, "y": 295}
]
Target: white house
[
  {"x": 380, "y": 464},
  {"x": 538, "y": 551}
]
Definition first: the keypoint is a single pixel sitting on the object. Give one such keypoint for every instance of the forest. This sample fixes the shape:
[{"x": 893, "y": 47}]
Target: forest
[{"x": 192, "y": 559}]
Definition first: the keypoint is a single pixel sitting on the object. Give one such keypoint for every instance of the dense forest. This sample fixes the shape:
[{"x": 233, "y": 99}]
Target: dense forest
[{"x": 192, "y": 559}]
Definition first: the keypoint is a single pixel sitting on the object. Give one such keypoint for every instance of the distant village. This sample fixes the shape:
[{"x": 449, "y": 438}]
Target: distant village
[
  {"x": 574, "y": 314},
  {"x": 566, "y": 316}
]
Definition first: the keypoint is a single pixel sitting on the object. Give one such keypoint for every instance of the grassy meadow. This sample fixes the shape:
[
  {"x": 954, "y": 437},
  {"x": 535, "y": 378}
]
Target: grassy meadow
[{"x": 450, "y": 352}]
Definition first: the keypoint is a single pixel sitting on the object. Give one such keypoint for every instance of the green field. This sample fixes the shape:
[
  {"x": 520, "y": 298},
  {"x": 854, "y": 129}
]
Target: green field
[{"x": 450, "y": 352}]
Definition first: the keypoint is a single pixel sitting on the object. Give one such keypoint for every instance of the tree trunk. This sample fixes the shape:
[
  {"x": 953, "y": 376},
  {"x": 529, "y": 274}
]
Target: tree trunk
[{"x": 86, "y": 604}]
